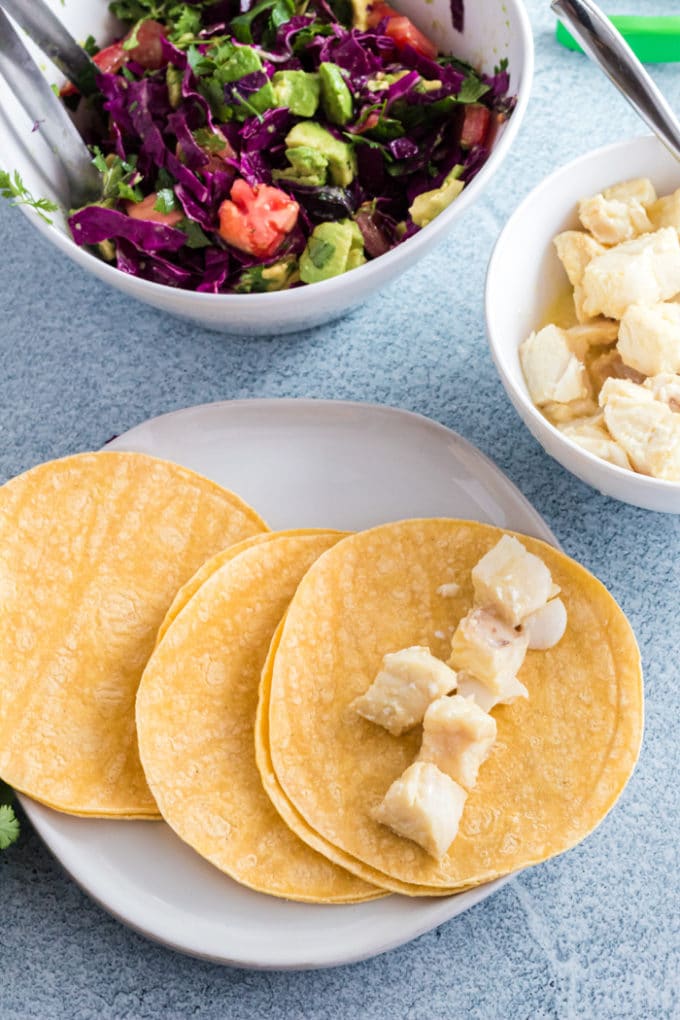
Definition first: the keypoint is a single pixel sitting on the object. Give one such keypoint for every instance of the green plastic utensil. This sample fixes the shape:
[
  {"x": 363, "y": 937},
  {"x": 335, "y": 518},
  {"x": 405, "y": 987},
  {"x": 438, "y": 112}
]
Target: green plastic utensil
[{"x": 653, "y": 40}]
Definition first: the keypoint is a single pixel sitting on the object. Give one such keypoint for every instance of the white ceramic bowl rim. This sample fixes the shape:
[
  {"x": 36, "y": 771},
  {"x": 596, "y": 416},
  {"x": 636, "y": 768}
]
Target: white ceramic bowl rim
[
  {"x": 408, "y": 248},
  {"x": 520, "y": 213}
]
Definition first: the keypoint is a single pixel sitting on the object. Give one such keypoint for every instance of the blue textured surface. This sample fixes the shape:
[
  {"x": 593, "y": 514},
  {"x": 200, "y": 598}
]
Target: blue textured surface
[{"x": 595, "y": 933}]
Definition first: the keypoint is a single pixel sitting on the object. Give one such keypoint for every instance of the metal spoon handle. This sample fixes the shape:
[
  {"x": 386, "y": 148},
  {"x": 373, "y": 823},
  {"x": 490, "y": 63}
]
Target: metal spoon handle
[
  {"x": 31, "y": 89},
  {"x": 48, "y": 33},
  {"x": 607, "y": 47}
]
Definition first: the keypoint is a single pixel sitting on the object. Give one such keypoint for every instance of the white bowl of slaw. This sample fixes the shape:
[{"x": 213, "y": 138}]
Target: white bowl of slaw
[{"x": 494, "y": 30}]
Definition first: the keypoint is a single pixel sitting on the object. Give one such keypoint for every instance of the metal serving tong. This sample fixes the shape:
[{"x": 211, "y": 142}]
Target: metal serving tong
[
  {"x": 31, "y": 89},
  {"x": 609, "y": 50}
]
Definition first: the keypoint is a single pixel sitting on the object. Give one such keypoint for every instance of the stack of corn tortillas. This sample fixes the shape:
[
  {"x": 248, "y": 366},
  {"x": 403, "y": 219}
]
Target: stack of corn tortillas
[{"x": 162, "y": 654}]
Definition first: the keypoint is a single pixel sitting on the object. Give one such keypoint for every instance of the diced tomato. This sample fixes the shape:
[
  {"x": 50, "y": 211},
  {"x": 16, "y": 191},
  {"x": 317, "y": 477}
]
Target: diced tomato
[
  {"x": 111, "y": 58},
  {"x": 376, "y": 13},
  {"x": 368, "y": 125},
  {"x": 217, "y": 160},
  {"x": 148, "y": 52},
  {"x": 217, "y": 157},
  {"x": 402, "y": 30},
  {"x": 144, "y": 210},
  {"x": 476, "y": 124},
  {"x": 257, "y": 219}
]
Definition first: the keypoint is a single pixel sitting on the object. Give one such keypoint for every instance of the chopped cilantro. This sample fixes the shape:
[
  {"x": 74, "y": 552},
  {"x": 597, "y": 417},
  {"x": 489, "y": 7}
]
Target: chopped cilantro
[
  {"x": 133, "y": 38},
  {"x": 99, "y": 160},
  {"x": 12, "y": 187},
  {"x": 182, "y": 20},
  {"x": 128, "y": 193},
  {"x": 195, "y": 236},
  {"x": 208, "y": 140},
  {"x": 9, "y": 824},
  {"x": 90, "y": 46},
  {"x": 166, "y": 201},
  {"x": 472, "y": 89},
  {"x": 120, "y": 177},
  {"x": 278, "y": 13},
  {"x": 9, "y": 827},
  {"x": 187, "y": 24},
  {"x": 164, "y": 179},
  {"x": 320, "y": 252}
]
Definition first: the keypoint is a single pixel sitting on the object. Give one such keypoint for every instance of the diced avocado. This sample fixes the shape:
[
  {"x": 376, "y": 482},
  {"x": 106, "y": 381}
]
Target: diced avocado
[
  {"x": 342, "y": 163},
  {"x": 332, "y": 249},
  {"x": 427, "y": 85},
  {"x": 382, "y": 80},
  {"x": 173, "y": 78},
  {"x": 336, "y": 98},
  {"x": 265, "y": 279},
  {"x": 308, "y": 166},
  {"x": 298, "y": 91},
  {"x": 245, "y": 61},
  {"x": 360, "y": 14},
  {"x": 242, "y": 60},
  {"x": 430, "y": 203},
  {"x": 107, "y": 250}
]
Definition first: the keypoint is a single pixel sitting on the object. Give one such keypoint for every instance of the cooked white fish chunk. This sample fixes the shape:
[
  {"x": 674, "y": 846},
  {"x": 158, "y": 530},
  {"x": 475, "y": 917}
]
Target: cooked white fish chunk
[
  {"x": 513, "y": 583},
  {"x": 408, "y": 681},
  {"x": 575, "y": 249},
  {"x": 665, "y": 212},
  {"x": 593, "y": 435},
  {"x": 649, "y": 338},
  {"x": 665, "y": 387},
  {"x": 638, "y": 189},
  {"x": 457, "y": 737},
  {"x": 646, "y": 428},
  {"x": 611, "y": 220},
  {"x": 503, "y": 690},
  {"x": 486, "y": 646},
  {"x": 645, "y": 270},
  {"x": 424, "y": 805},
  {"x": 551, "y": 369}
]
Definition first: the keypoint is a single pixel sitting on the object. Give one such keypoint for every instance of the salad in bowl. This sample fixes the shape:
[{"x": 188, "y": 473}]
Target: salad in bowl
[{"x": 285, "y": 145}]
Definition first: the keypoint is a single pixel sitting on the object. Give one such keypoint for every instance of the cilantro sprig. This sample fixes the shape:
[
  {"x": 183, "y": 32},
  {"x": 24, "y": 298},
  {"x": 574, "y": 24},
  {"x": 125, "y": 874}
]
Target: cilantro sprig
[
  {"x": 183, "y": 21},
  {"x": 278, "y": 13},
  {"x": 9, "y": 823},
  {"x": 13, "y": 188},
  {"x": 120, "y": 177}
]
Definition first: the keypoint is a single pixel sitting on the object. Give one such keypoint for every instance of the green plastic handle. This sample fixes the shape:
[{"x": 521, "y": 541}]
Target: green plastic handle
[{"x": 653, "y": 40}]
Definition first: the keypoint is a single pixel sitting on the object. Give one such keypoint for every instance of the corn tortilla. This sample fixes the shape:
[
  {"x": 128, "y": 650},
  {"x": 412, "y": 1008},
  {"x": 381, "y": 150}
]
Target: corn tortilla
[
  {"x": 92, "y": 551},
  {"x": 195, "y": 714},
  {"x": 293, "y": 819},
  {"x": 560, "y": 760},
  {"x": 188, "y": 590}
]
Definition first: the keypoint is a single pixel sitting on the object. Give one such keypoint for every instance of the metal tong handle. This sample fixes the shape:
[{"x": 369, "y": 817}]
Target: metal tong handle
[
  {"x": 35, "y": 95},
  {"x": 607, "y": 48},
  {"x": 47, "y": 32}
]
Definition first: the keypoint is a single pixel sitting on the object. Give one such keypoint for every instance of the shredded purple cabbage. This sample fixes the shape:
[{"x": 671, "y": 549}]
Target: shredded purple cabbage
[{"x": 94, "y": 224}]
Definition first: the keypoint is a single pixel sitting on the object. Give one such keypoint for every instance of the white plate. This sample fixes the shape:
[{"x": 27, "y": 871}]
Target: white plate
[{"x": 301, "y": 463}]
